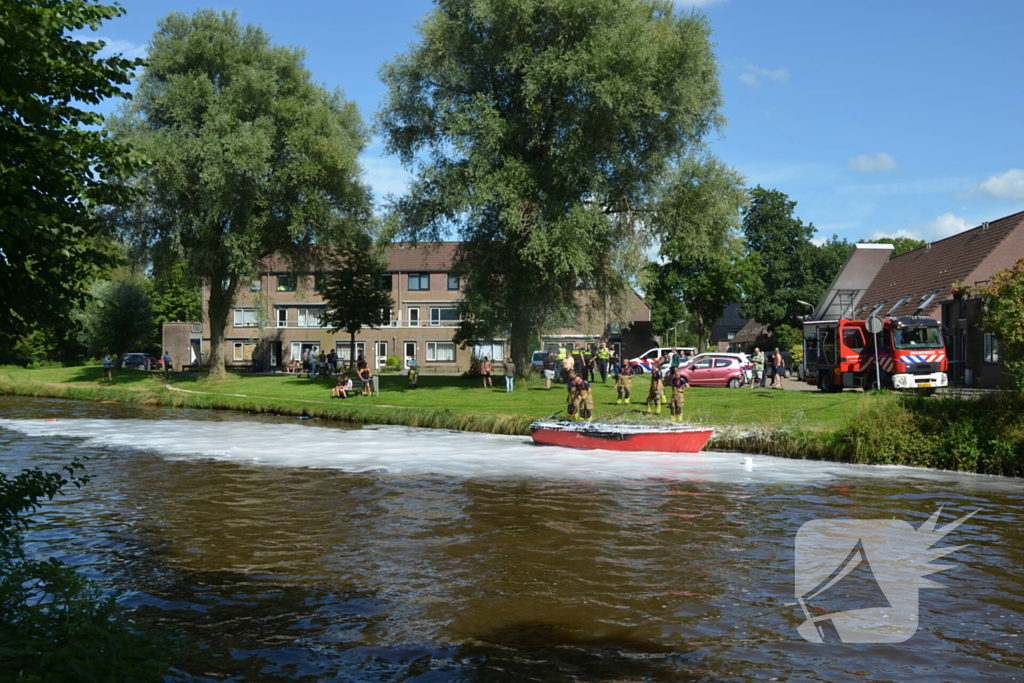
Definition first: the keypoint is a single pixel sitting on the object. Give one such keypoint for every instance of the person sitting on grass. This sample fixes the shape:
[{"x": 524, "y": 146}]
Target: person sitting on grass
[{"x": 342, "y": 388}]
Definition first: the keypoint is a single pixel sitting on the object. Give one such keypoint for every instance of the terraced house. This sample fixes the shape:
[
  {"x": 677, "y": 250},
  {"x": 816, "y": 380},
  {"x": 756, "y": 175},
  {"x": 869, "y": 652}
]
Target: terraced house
[{"x": 280, "y": 315}]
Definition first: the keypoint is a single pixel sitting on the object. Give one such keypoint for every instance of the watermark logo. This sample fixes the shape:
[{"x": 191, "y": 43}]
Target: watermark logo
[{"x": 873, "y": 568}]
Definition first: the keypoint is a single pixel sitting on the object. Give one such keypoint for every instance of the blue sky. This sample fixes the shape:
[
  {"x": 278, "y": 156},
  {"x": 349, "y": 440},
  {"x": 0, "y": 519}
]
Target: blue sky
[{"x": 878, "y": 118}]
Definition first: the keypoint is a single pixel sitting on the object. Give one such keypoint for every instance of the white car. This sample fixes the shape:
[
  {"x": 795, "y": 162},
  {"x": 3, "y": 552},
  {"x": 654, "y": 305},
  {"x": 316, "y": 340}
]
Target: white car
[{"x": 642, "y": 363}]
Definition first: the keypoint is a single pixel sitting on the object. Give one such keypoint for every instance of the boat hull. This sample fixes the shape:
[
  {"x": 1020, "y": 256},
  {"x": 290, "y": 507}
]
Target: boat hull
[{"x": 688, "y": 441}]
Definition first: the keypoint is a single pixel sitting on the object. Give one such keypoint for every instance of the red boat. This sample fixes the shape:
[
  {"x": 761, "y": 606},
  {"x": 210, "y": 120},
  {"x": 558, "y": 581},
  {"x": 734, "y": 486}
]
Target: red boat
[{"x": 618, "y": 437}]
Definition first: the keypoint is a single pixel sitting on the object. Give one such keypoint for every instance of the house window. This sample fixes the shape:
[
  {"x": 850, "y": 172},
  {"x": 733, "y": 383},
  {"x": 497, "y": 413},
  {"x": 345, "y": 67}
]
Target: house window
[
  {"x": 453, "y": 282},
  {"x": 316, "y": 280},
  {"x": 256, "y": 284},
  {"x": 245, "y": 317},
  {"x": 444, "y": 317},
  {"x": 285, "y": 282},
  {"x": 242, "y": 351},
  {"x": 344, "y": 351},
  {"x": 495, "y": 350},
  {"x": 991, "y": 348},
  {"x": 385, "y": 282},
  {"x": 414, "y": 317},
  {"x": 419, "y": 282},
  {"x": 311, "y": 317},
  {"x": 282, "y": 317},
  {"x": 440, "y": 352},
  {"x": 386, "y": 314}
]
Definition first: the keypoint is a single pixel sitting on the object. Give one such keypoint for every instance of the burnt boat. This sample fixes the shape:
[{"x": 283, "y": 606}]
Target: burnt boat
[{"x": 621, "y": 437}]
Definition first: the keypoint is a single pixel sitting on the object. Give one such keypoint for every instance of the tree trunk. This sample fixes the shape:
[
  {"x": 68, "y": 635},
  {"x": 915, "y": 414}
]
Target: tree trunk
[
  {"x": 352, "y": 351},
  {"x": 217, "y": 313},
  {"x": 519, "y": 337}
]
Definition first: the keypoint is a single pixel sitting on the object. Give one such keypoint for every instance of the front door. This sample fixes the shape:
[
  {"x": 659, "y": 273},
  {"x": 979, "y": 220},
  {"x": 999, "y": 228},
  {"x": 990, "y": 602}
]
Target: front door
[
  {"x": 410, "y": 352},
  {"x": 381, "y": 354}
]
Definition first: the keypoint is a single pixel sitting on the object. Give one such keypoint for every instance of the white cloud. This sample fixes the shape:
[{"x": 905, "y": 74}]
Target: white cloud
[
  {"x": 946, "y": 225},
  {"x": 753, "y": 75},
  {"x": 870, "y": 163},
  {"x": 113, "y": 46},
  {"x": 1009, "y": 185},
  {"x": 902, "y": 232}
]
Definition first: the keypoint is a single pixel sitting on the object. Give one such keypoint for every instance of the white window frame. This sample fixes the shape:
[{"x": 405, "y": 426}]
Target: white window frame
[
  {"x": 432, "y": 347},
  {"x": 281, "y": 314},
  {"x": 256, "y": 284},
  {"x": 443, "y": 323},
  {"x": 414, "y": 316},
  {"x": 311, "y": 314},
  {"x": 238, "y": 351},
  {"x": 991, "y": 348},
  {"x": 241, "y": 314},
  {"x": 340, "y": 346}
]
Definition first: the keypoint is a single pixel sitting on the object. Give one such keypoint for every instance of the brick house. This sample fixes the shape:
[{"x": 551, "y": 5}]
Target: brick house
[{"x": 279, "y": 316}]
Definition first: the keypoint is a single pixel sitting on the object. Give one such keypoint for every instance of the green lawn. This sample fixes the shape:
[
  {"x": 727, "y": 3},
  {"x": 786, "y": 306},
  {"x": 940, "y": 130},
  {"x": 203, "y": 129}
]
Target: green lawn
[{"x": 737, "y": 407}]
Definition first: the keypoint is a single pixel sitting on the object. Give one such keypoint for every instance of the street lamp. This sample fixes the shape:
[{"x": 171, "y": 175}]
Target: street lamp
[{"x": 806, "y": 304}]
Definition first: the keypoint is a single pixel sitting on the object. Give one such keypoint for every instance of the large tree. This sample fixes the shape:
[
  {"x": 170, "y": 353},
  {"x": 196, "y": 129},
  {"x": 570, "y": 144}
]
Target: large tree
[
  {"x": 353, "y": 292},
  {"x": 246, "y": 158},
  {"x": 118, "y": 317},
  {"x": 539, "y": 131},
  {"x": 54, "y": 163},
  {"x": 696, "y": 224},
  {"x": 901, "y": 245},
  {"x": 789, "y": 267}
]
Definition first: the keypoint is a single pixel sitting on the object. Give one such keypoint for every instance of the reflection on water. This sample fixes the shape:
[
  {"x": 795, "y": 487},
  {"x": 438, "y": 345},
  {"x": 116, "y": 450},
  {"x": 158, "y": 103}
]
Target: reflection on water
[{"x": 294, "y": 550}]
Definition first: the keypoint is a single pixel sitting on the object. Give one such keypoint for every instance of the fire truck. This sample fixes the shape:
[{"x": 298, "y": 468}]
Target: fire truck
[{"x": 840, "y": 354}]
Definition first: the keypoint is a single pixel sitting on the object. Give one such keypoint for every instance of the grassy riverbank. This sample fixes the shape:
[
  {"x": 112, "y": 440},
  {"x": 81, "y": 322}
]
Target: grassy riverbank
[{"x": 982, "y": 435}]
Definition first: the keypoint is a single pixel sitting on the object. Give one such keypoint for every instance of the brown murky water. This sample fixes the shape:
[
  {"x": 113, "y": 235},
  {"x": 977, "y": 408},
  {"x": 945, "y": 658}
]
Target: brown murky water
[{"x": 282, "y": 555}]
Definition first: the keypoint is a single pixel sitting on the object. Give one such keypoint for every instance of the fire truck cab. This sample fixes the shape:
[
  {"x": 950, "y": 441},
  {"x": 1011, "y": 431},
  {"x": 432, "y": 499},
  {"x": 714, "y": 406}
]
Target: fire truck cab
[{"x": 840, "y": 354}]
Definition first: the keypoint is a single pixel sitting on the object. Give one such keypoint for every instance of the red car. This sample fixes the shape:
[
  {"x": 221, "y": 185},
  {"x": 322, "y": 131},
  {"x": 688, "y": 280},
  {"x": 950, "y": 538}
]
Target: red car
[{"x": 715, "y": 371}]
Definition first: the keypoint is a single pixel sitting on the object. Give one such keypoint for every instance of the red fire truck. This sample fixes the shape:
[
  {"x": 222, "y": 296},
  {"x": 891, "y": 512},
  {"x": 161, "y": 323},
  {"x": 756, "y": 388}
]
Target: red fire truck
[{"x": 840, "y": 354}]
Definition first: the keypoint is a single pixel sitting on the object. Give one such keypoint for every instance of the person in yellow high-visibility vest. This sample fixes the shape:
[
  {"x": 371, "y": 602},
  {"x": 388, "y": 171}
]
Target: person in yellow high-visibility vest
[
  {"x": 603, "y": 356},
  {"x": 560, "y": 357}
]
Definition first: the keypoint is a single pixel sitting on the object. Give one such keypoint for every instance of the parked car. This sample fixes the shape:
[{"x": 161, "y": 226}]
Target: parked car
[
  {"x": 716, "y": 370},
  {"x": 141, "y": 361},
  {"x": 744, "y": 359},
  {"x": 538, "y": 359},
  {"x": 642, "y": 363}
]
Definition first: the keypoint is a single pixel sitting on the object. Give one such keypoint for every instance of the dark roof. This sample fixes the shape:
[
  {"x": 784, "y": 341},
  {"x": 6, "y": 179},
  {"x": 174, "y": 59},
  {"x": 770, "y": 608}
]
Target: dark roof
[
  {"x": 919, "y": 281},
  {"x": 750, "y": 332},
  {"x": 425, "y": 256}
]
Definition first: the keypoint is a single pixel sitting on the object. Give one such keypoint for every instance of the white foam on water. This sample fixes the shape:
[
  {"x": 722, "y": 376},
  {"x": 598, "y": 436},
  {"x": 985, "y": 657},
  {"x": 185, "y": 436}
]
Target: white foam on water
[{"x": 410, "y": 451}]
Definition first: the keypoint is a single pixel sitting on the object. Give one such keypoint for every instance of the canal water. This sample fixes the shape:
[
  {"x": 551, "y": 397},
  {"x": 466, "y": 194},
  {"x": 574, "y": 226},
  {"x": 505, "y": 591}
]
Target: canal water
[{"x": 287, "y": 549}]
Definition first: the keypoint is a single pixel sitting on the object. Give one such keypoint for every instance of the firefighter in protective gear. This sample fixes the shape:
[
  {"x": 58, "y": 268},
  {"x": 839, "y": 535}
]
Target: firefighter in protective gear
[
  {"x": 572, "y": 398},
  {"x": 624, "y": 382},
  {"x": 678, "y": 383},
  {"x": 584, "y": 400},
  {"x": 656, "y": 393}
]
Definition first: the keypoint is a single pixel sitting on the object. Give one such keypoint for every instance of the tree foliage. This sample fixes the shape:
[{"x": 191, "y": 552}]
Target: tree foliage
[
  {"x": 696, "y": 225},
  {"x": 1004, "y": 318},
  {"x": 789, "y": 267},
  {"x": 901, "y": 245},
  {"x": 353, "y": 292},
  {"x": 539, "y": 131},
  {"x": 246, "y": 158},
  {"x": 54, "y": 163},
  {"x": 118, "y": 317}
]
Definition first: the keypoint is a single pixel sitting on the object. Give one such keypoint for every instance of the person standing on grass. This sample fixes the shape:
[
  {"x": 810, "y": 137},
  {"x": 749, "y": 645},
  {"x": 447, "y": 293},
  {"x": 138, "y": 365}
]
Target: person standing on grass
[
  {"x": 485, "y": 372},
  {"x": 167, "y": 361},
  {"x": 108, "y": 367},
  {"x": 624, "y": 382},
  {"x": 568, "y": 365},
  {"x": 312, "y": 363},
  {"x": 603, "y": 358},
  {"x": 777, "y": 364},
  {"x": 366, "y": 377},
  {"x": 510, "y": 375},
  {"x": 675, "y": 406},
  {"x": 657, "y": 389},
  {"x": 758, "y": 361},
  {"x": 549, "y": 369}
]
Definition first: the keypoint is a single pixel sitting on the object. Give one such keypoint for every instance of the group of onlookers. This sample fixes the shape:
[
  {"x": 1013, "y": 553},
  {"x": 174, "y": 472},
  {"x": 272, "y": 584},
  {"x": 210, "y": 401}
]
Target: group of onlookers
[
  {"x": 487, "y": 370},
  {"x": 345, "y": 385},
  {"x": 774, "y": 361},
  {"x": 585, "y": 361}
]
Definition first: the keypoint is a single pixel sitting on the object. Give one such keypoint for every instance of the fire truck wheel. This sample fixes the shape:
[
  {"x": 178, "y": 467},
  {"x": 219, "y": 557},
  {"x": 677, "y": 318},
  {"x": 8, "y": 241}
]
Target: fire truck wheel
[{"x": 826, "y": 385}]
